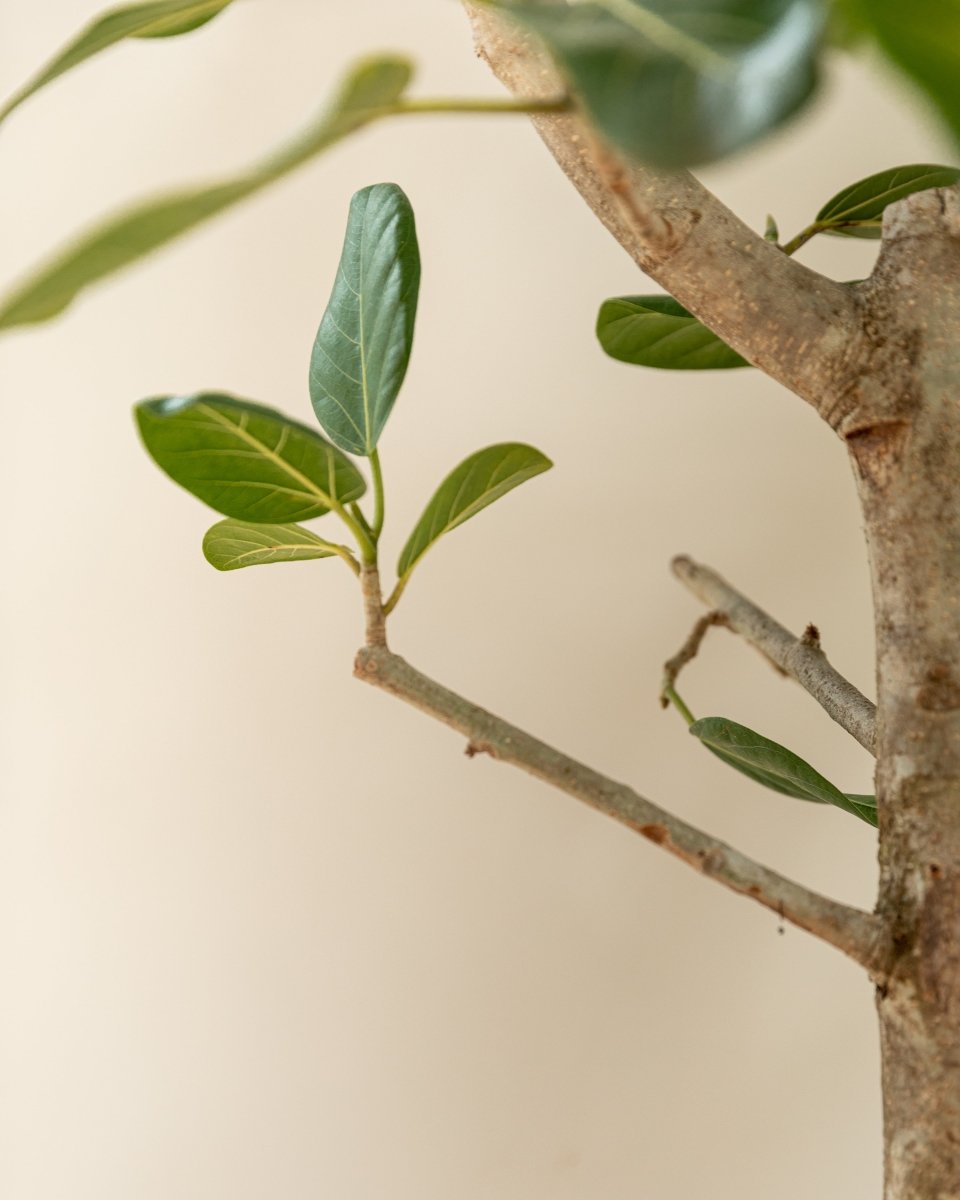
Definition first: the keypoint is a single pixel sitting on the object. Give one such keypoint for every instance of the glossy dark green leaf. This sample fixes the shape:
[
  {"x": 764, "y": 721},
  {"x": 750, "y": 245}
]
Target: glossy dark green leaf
[
  {"x": 775, "y": 766},
  {"x": 681, "y": 82},
  {"x": 362, "y": 347},
  {"x": 657, "y": 331},
  {"x": 367, "y": 92},
  {"x": 479, "y": 480},
  {"x": 230, "y": 545},
  {"x": 246, "y": 461},
  {"x": 923, "y": 38},
  {"x": 160, "y": 18},
  {"x": 865, "y": 200}
]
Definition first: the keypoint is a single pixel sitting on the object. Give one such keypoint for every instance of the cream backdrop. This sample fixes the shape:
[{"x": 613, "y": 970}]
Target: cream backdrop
[{"x": 265, "y": 932}]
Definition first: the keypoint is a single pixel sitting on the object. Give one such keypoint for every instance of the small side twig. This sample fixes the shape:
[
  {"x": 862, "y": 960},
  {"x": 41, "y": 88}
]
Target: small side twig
[
  {"x": 688, "y": 651},
  {"x": 858, "y": 934},
  {"x": 801, "y": 658}
]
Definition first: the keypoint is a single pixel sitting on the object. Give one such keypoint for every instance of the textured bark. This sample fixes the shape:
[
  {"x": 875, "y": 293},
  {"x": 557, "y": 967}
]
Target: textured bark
[
  {"x": 904, "y": 436},
  {"x": 881, "y": 363}
]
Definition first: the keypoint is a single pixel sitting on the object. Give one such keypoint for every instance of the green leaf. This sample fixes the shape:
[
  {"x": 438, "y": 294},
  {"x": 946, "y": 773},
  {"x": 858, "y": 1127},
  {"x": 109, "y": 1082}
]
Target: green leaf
[
  {"x": 479, "y": 480},
  {"x": 865, "y": 201},
  {"x": 368, "y": 92},
  {"x": 362, "y": 347},
  {"x": 681, "y": 82},
  {"x": 246, "y": 461},
  {"x": 923, "y": 38},
  {"x": 775, "y": 766},
  {"x": 656, "y": 331},
  {"x": 161, "y": 18},
  {"x": 230, "y": 545}
]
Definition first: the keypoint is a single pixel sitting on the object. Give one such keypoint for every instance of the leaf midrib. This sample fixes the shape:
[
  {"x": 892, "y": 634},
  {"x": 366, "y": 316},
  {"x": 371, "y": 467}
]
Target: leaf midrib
[{"x": 311, "y": 488}]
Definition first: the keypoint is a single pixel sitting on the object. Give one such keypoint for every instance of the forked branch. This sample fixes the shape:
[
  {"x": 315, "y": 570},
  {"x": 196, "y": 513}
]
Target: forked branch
[
  {"x": 799, "y": 657},
  {"x": 798, "y": 326},
  {"x": 858, "y": 934}
]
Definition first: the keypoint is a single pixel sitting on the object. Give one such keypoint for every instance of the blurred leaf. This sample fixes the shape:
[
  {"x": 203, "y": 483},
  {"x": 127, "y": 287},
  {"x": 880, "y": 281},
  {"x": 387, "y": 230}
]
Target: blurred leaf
[
  {"x": 371, "y": 88},
  {"x": 362, "y": 347},
  {"x": 161, "y": 18},
  {"x": 230, "y": 545},
  {"x": 656, "y": 331},
  {"x": 246, "y": 461},
  {"x": 865, "y": 201},
  {"x": 775, "y": 766},
  {"x": 681, "y": 82},
  {"x": 479, "y": 480},
  {"x": 923, "y": 38}
]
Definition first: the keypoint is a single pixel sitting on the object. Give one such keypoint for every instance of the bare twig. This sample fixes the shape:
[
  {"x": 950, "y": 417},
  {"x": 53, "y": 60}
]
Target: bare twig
[
  {"x": 688, "y": 651},
  {"x": 858, "y": 934},
  {"x": 800, "y": 658}
]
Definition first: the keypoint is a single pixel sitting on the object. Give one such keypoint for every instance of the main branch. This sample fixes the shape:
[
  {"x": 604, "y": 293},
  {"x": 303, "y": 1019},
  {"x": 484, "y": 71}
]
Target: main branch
[
  {"x": 856, "y": 933},
  {"x": 798, "y": 326}
]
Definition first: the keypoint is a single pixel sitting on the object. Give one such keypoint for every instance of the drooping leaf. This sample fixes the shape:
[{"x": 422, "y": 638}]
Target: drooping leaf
[
  {"x": 681, "y": 82},
  {"x": 923, "y": 38},
  {"x": 479, "y": 480},
  {"x": 657, "y": 331},
  {"x": 865, "y": 200},
  {"x": 775, "y": 766},
  {"x": 362, "y": 347},
  {"x": 245, "y": 460},
  {"x": 368, "y": 91},
  {"x": 230, "y": 545},
  {"x": 159, "y": 18},
  {"x": 866, "y": 806}
]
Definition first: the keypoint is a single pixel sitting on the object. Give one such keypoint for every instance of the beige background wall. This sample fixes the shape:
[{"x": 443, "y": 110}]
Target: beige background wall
[{"x": 264, "y": 932}]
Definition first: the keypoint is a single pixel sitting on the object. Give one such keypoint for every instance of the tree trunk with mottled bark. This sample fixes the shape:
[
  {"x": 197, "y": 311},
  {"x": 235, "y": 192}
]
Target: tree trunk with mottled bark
[{"x": 880, "y": 361}]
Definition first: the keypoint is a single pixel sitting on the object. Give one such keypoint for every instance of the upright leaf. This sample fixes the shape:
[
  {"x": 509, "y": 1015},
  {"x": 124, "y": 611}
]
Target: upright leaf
[
  {"x": 479, "y": 480},
  {"x": 159, "y": 18},
  {"x": 362, "y": 347},
  {"x": 863, "y": 202},
  {"x": 774, "y": 766},
  {"x": 681, "y": 82},
  {"x": 657, "y": 331},
  {"x": 368, "y": 92},
  {"x": 230, "y": 545},
  {"x": 923, "y": 38},
  {"x": 246, "y": 461}
]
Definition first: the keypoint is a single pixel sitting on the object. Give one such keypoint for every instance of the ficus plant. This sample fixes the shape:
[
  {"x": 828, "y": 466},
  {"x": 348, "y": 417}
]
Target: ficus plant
[
  {"x": 627, "y": 95},
  {"x": 265, "y": 473}
]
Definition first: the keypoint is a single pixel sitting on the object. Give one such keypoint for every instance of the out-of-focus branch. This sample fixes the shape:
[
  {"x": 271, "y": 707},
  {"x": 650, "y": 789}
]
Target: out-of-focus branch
[{"x": 799, "y": 657}]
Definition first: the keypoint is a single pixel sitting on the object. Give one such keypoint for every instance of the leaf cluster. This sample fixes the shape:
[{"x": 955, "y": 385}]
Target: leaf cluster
[{"x": 266, "y": 472}]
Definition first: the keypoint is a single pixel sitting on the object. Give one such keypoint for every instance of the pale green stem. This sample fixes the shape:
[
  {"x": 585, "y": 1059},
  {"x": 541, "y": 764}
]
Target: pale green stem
[
  {"x": 365, "y": 544},
  {"x": 378, "y": 499},
  {"x": 561, "y": 104},
  {"x": 395, "y": 595},
  {"x": 670, "y": 693}
]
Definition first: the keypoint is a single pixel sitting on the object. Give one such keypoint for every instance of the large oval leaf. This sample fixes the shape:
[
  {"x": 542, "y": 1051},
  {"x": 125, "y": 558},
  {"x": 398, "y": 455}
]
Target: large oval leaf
[
  {"x": 923, "y": 38},
  {"x": 776, "y": 767},
  {"x": 230, "y": 545},
  {"x": 245, "y": 460},
  {"x": 681, "y": 82},
  {"x": 864, "y": 202},
  {"x": 366, "y": 94},
  {"x": 362, "y": 347},
  {"x": 160, "y": 18},
  {"x": 657, "y": 331},
  {"x": 479, "y": 480}
]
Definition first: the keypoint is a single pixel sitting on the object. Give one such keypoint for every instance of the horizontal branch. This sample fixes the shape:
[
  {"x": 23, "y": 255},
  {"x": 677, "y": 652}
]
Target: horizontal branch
[
  {"x": 858, "y": 934},
  {"x": 800, "y": 658},
  {"x": 796, "y": 325}
]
